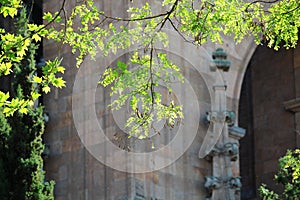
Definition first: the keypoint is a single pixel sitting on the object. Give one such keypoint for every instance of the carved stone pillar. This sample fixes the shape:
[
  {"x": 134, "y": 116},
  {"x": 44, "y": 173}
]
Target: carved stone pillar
[{"x": 222, "y": 184}]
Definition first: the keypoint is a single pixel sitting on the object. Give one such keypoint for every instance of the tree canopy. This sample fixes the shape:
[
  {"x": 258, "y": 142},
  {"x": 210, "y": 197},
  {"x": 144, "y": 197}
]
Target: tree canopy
[{"x": 88, "y": 30}]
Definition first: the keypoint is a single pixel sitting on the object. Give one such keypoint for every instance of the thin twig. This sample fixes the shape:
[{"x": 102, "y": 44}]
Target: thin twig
[
  {"x": 260, "y": 1},
  {"x": 181, "y": 35}
]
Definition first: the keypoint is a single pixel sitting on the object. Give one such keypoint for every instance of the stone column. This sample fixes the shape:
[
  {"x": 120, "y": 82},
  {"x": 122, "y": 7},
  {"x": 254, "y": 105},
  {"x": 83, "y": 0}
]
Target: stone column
[{"x": 222, "y": 184}]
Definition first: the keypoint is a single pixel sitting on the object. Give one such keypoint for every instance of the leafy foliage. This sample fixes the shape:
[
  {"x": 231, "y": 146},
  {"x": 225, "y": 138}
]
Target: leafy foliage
[
  {"x": 49, "y": 76},
  {"x": 288, "y": 176},
  {"x": 10, "y": 7},
  {"x": 88, "y": 30},
  {"x": 21, "y": 145},
  {"x": 137, "y": 85}
]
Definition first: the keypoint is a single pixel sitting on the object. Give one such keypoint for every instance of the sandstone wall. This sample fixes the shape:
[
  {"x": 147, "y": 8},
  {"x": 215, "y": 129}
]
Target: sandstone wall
[
  {"x": 79, "y": 114},
  {"x": 269, "y": 112}
]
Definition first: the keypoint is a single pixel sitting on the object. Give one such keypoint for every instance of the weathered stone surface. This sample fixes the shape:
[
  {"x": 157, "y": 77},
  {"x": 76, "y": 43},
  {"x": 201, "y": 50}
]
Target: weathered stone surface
[
  {"x": 271, "y": 80},
  {"x": 80, "y": 176}
]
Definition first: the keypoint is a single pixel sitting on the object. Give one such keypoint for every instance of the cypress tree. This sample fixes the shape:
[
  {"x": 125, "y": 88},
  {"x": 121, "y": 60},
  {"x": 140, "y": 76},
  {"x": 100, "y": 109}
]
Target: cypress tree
[
  {"x": 4, "y": 136},
  {"x": 21, "y": 164}
]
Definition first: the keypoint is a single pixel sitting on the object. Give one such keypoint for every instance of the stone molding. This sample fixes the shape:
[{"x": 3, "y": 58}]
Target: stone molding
[
  {"x": 236, "y": 132},
  {"x": 292, "y": 105}
]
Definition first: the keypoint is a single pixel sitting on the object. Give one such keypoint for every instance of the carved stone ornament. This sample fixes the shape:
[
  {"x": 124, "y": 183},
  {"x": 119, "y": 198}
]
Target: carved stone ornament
[
  {"x": 235, "y": 183},
  {"x": 236, "y": 132},
  {"x": 229, "y": 149},
  {"x": 219, "y": 61},
  {"x": 223, "y": 116},
  {"x": 213, "y": 183}
]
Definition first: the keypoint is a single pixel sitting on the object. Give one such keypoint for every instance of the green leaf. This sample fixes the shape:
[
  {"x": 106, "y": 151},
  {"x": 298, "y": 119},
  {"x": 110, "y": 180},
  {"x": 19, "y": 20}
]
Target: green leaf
[
  {"x": 36, "y": 37},
  {"x": 58, "y": 19},
  {"x": 122, "y": 66},
  {"x": 3, "y": 98},
  {"x": 8, "y": 111},
  {"x": 35, "y": 95},
  {"x": 48, "y": 16},
  {"x": 46, "y": 89},
  {"x": 134, "y": 102},
  {"x": 37, "y": 79},
  {"x": 33, "y": 27},
  {"x": 23, "y": 110},
  {"x": 59, "y": 82},
  {"x": 60, "y": 69},
  {"x": 8, "y": 11}
]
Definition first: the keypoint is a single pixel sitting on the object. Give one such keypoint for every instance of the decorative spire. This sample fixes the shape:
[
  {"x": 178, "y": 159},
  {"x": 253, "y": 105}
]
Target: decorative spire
[{"x": 220, "y": 60}]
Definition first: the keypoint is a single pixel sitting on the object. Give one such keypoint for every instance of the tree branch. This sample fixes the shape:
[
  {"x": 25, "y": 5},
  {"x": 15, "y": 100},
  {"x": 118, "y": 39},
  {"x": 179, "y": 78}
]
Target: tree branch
[
  {"x": 181, "y": 35},
  {"x": 169, "y": 14}
]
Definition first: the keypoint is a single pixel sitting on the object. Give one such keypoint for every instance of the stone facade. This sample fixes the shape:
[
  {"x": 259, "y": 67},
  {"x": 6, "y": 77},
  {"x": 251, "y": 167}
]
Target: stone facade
[
  {"x": 269, "y": 111},
  {"x": 73, "y": 161}
]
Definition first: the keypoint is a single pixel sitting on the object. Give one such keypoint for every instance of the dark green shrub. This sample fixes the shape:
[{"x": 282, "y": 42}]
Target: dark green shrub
[{"x": 288, "y": 176}]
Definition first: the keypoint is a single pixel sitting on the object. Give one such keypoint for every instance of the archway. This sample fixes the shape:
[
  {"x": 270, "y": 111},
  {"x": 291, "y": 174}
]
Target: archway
[{"x": 269, "y": 81}]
